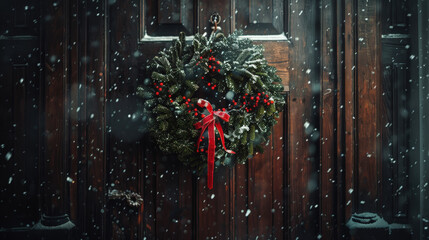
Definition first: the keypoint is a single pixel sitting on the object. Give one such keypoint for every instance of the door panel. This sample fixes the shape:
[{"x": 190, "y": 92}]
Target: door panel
[
  {"x": 168, "y": 17},
  {"x": 260, "y": 17},
  {"x": 247, "y": 201}
]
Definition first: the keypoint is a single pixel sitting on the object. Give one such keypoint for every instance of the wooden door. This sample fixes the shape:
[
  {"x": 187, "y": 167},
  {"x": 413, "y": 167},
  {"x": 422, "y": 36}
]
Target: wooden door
[{"x": 247, "y": 201}]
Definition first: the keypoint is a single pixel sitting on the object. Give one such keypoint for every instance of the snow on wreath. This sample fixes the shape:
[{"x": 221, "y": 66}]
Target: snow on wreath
[{"x": 211, "y": 101}]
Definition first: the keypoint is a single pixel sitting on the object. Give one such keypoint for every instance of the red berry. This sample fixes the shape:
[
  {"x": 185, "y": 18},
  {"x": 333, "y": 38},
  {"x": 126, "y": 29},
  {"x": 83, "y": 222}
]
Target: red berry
[
  {"x": 157, "y": 93},
  {"x": 196, "y": 114},
  {"x": 208, "y": 84},
  {"x": 272, "y": 101},
  {"x": 160, "y": 89},
  {"x": 184, "y": 97},
  {"x": 162, "y": 84},
  {"x": 218, "y": 70}
]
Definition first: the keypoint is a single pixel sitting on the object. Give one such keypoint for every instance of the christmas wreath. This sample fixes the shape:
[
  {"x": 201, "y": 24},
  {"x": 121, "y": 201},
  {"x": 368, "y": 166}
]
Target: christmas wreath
[{"x": 195, "y": 88}]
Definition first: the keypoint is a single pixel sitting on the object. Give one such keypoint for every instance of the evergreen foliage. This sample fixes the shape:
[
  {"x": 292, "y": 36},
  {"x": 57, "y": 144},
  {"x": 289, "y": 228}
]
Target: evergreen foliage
[{"x": 229, "y": 72}]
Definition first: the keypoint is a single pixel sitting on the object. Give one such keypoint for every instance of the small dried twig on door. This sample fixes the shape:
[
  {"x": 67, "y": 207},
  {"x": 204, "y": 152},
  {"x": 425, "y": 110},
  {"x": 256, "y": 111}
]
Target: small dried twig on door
[{"x": 133, "y": 199}]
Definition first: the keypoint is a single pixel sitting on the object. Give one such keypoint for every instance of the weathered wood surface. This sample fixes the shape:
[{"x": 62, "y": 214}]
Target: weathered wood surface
[{"x": 323, "y": 162}]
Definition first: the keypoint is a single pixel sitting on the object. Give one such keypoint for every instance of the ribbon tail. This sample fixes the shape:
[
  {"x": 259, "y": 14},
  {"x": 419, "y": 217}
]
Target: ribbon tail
[
  {"x": 201, "y": 135},
  {"x": 220, "y": 130},
  {"x": 211, "y": 155}
]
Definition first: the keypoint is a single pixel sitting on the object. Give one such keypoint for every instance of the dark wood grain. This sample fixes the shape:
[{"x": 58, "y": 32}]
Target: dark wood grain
[
  {"x": 260, "y": 194},
  {"x": 303, "y": 166},
  {"x": 328, "y": 121},
  {"x": 350, "y": 72},
  {"x": 124, "y": 148},
  {"x": 240, "y": 203},
  {"x": 340, "y": 118},
  {"x": 275, "y": 53},
  {"x": 74, "y": 123},
  {"x": 95, "y": 119},
  {"x": 213, "y": 206},
  {"x": 55, "y": 85},
  {"x": 328, "y": 156},
  {"x": 149, "y": 194},
  {"x": 279, "y": 159},
  {"x": 368, "y": 85}
]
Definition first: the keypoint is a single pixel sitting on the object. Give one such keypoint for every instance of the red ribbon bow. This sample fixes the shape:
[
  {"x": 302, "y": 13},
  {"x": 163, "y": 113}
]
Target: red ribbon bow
[{"x": 210, "y": 122}]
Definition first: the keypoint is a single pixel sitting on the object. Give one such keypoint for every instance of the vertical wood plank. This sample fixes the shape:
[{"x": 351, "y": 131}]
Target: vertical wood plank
[
  {"x": 349, "y": 100},
  {"x": 95, "y": 119},
  {"x": 55, "y": 105},
  {"x": 149, "y": 193},
  {"x": 260, "y": 194},
  {"x": 185, "y": 203},
  {"x": 124, "y": 150},
  {"x": 173, "y": 199},
  {"x": 328, "y": 121},
  {"x": 241, "y": 201},
  {"x": 303, "y": 166},
  {"x": 368, "y": 70},
  {"x": 278, "y": 155},
  {"x": 73, "y": 96},
  {"x": 213, "y": 206},
  {"x": 341, "y": 128}
]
